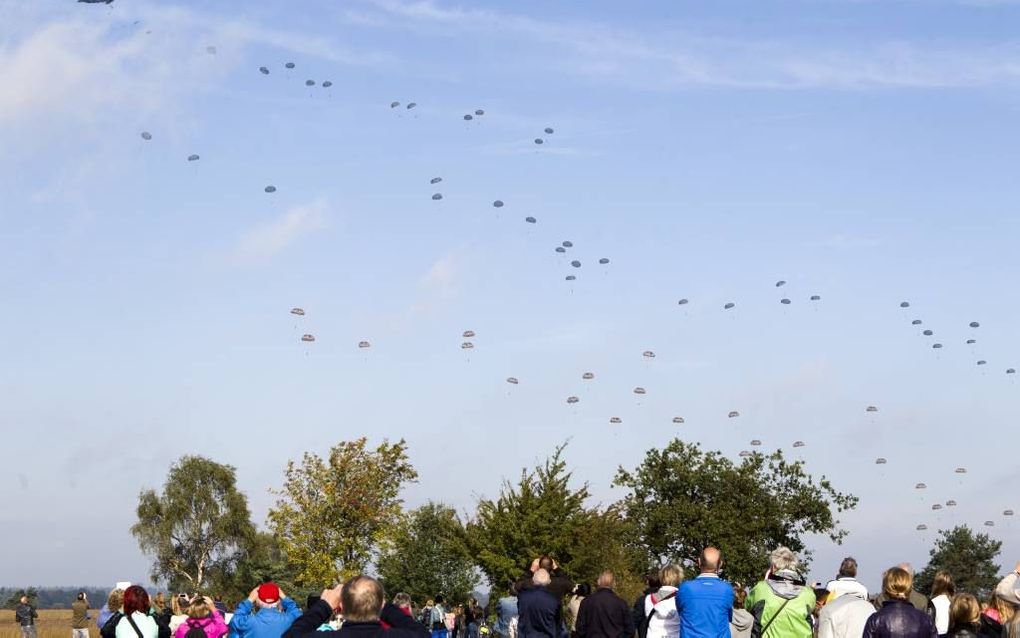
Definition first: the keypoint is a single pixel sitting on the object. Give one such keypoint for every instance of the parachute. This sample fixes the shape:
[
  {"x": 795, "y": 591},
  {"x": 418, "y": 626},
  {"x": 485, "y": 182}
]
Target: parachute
[
  {"x": 922, "y": 528},
  {"x": 971, "y": 342},
  {"x": 561, "y": 249},
  {"x": 530, "y": 220},
  {"x": 950, "y": 503},
  {"x": 512, "y": 380},
  {"x": 264, "y": 70},
  {"x": 780, "y": 283},
  {"x": 683, "y": 302},
  {"x": 548, "y": 131},
  {"x": 572, "y": 400},
  {"x": 871, "y": 408},
  {"x": 604, "y": 261},
  {"x": 270, "y": 189},
  {"x": 1007, "y": 512},
  {"x": 327, "y": 84},
  {"x": 411, "y": 105},
  {"x": 289, "y": 65},
  {"x": 575, "y": 264},
  {"x": 588, "y": 376},
  {"x": 146, "y": 136},
  {"x": 437, "y": 196},
  {"x": 937, "y": 346},
  {"x": 915, "y": 322},
  {"x": 904, "y": 304},
  {"x": 961, "y": 470},
  {"x": 567, "y": 244},
  {"x": 309, "y": 82},
  {"x": 394, "y": 105},
  {"x": 571, "y": 278},
  {"x": 193, "y": 158},
  {"x": 920, "y": 486},
  {"x": 729, "y": 305},
  {"x": 936, "y": 506},
  {"x": 982, "y": 362},
  {"x": 1010, "y": 370},
  {"x": 308, "y": 338},
  {"x": 744, "y": 453},
  {"x": 96, "y": 1},
  {"x": 639, "y": 390},
  {"x": 798, "y": 444},
  {"x": 539, "y": 140},
  {"x": 364, "y": 344},
  {"x": 880, "y": 461},
  {"x": 784, "y": 301},
  {"x": 756, "y": 442},
  {"x": 468, "y": 334},
  {"x": 467, "y": 345},
  {"x": 210, "y": 50},
  {"x": 468, "y": 117},
  {"x": 815, "y": 298},
  {"x": 927, "y": 333},
  {"x": 298, "y": 311},
  {"x": 974, "y": 324},
  {"x": 615, "y": 420},
  {"x": 732, "y": 415},
  {"x": 498, "y": 203},
  {"x": 479, "y": 112},
  {"x": 435, "y": 180},
  {"x": 678, "y": 420},
  {"x": 648, "y": 354},
  {"x": 989, "y": 523}
]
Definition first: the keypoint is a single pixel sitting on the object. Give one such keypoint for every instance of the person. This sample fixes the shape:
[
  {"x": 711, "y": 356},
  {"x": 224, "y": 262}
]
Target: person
[
  {"x": 996, "y": 616},
  {"x": 179, "y": 612},
  {"x": 426, "y": 613},
  {"x": 917, "y": 599},
  {"x": 652, "y": 585},
  {"x": 26, "y": 614},
  {"x": 560, "y": 584},
  {"x": 942, "y": 592},
  {"x": 781, "y": 603},
  {"x": 362, "y": 602},
  {"x": 964, "y": 616},
  {"x": 845, "y": 616},
  {"x": 437, "y": 618},
  {"x": 506, "y": 614},
  {"x": 220, "y": 605},
  {"x": 539, "y": 611},
  {"x": 660, "y": 618},
  {"x": 402, "y": 602},
  {"x": 705, "y": 603},
  {"x": 742, "y": 622},
  {"x": 203, "y": 616},
  {"x": 114, "y": 603},
  {"x": 161, "y": 608},
  {"x": 581, "y": 591},
  {"x": 846, "y": 581},
  {"x": 898, "y": 617},
  {"x": 275, "y": 614},
  {"x": 137, "y": 620},
  {"x": 80, "y": 616},
  {"x": 604, "y": 614},
  {"x": 471, "y": 618}
]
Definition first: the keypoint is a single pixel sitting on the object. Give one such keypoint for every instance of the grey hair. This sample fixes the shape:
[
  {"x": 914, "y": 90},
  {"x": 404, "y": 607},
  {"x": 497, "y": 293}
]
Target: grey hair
[
  {"x": 783, "y": 558},
  {"x": 541, "y": 578}
]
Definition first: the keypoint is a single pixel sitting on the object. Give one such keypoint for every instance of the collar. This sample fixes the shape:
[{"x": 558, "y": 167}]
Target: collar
[
  {"x": 847, "y": 578},
  {"x": 708, "y": 575}
]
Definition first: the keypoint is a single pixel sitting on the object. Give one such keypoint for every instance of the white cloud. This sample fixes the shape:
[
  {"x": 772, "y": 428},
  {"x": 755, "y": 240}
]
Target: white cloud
[{"x": 272, "y": 237}]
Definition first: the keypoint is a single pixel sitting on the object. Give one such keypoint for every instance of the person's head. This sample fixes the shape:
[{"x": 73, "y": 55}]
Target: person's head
[
  {"x": 965, "y": 611},
  {"x": 541, "y": 578},
  {"x": 115, "y": 600},
  {"x": 363, "y": 599},
  {"x": 1005, "y": 609},
  {"x": 198, "y": 608},
  {"x": 607, "y": 580},
  {"x": 848, "y": 568},
  {"x": 897, "y": 583},
  {"x": 582, "y": 589},
  {"x": 82, "y": 596},
  {"x": 136, "y": 599},
  {"x": 430, "y": 603},
  {"x": 739, "y": 596},
  {"x": 159, "y": 601},
  {"x": 652, "y": 580},
  {"x": 24, "y": 600},
  {"x": 402, "y": 600},
  {"x": 439, "y": 600},
  {"x": 782, "y": 559},
  {"x": 268, "y": 595},
  {"x": 907, "y": 567},
  {"x": 710, "y": 560},
  {"x": 545, "y": 562},
  {"x": 671, "y": 576},
  {"x": 942, "y": 584}
]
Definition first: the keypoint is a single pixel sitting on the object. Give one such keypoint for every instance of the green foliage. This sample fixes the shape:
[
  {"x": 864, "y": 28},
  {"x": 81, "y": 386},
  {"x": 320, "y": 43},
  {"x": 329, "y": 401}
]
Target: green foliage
[
  {"x": 427, "y": 554},
  {"x": 197, "y": 526},
  {"x": 14, "y": 597},
  {"x": 262, "y": 559},
  {"x": 968, "y": 557},
  {"x": 543, "y": 514},
  {"x": 332, "y": 514},
  {"x": 683, "y": 499}
]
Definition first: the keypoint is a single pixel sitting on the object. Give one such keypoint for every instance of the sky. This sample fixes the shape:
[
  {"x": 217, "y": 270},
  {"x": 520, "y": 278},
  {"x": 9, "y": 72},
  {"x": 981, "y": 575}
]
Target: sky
[{"x": 861, "y": 150}]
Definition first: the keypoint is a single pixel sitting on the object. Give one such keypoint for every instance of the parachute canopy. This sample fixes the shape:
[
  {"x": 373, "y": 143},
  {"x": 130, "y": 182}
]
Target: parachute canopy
[
  {"x": 815, "y": 298},
  {"x": 683, "y": 302},
  {"x": 530, "y": 220},
  {"x": 539, "y": 140},
  {"x": 309, "y": 82},
  {"x": 270, "y": 189},
  {"x": 561, "y": 249},
  {"x": 468, "y": 334},
  {"x": 1007, "y": 512},
  {"x": 467, "y": 345},
  {"x": 604, "y": 261},
  {"x": 548, "y": 131},
  {"x": 904, "y": 304},
  {"x": 648, "y": 354},
  {"x": 571, "y": 278},
  {"x": 922, "y": 527},
  {"x": 937, "y": 506},
  {"x": 937, "y": 346},
  {"x": 146, "y": 136},
  {"x": 639, "y": 390},
  {"x": 575, "y": 264},
  {"x": 588, "y": 376},
  {"x": 880, "y": 461},
  {"x": 784, "y": 301},
  {"x": 264, "y": 70},
  {"x": 327, "y": 84},
  {"x": 971, "y": 342},
  {"x": 780, "y": 283},
  {"x": 435, "y": 180},
  {"x": 798, "y": 444},
  {"x": 437, "y": 196},
  {"x": 974, "y": 324},
  {"x": 755, "y": 442},
  {"x": 982, "y": 362},
  {"x": 915, "y": 322},
  {"x": 411, "y": 105},
  {"x": 512, "y": 380},
  {"x": 479, "y": 112},
  {"x": 989, "y": 523},
  {"x": 950, "y": 503},
  {"x": 307, "y": 337},
  {"x": 567, "y": 244},
  {"x": 289, "y": 65},
  {"x": 193, "y": 158},
  {"x": 572, "y": 400},
  {"x": 729, "y": 305},
  {"x": 744, "y": 453},
  {"x": 1010, "y": 370},
  {"x": 871, "y": 408},
  {"x": 364, "y": 344},
  {"x": 298, "y": 311},
  {"x": 468, "y": 117},
  {"x": 927, "y": 333},
  {"x": 615, "y": 420},
  {"x": 678, "y": 420},
  {"x": 961, "y": 470},
  {"x": 394, "y": 105},
  {"x": 920, "y": 486},
  {"x": 733, "y": 414},
  {"x": 498, "y": 203}
]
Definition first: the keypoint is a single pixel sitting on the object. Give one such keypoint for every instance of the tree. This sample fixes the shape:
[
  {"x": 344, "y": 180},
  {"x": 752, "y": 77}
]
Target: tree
[
  {"x": 543, "y": 514},
  {"x": 333, "y": 513},
  {"x": 969, "y": 557},
  {"x": 14, "y": 598},
  {"x": 198, "y": 525},
  {"x": 683, "y": 499},
  {"x": 428, "y": 555},
  {"x": 262, "y": 559}
]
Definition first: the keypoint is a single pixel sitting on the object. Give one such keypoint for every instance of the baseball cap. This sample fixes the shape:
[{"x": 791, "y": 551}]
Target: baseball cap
[{"x": 269, "y": 592}]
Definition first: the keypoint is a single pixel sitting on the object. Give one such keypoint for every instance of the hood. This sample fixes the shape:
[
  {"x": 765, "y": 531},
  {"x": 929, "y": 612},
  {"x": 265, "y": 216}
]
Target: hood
[
  {"x": 786, "y": 584},
  {"x": 742, "y": 620},
  {"x": 664, "y": 591}
]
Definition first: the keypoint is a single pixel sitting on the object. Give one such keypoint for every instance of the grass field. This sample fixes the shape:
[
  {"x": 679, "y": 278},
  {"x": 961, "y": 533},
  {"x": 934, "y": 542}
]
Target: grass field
[{"x": 52, "y": 623}]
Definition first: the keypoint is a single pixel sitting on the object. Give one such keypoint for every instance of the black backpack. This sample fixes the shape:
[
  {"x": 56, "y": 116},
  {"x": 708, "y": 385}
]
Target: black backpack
[{"x": 195, "y": 630}]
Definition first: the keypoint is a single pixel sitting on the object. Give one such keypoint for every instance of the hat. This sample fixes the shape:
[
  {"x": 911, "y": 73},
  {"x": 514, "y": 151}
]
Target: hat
[{"x": 269, "y": 592}]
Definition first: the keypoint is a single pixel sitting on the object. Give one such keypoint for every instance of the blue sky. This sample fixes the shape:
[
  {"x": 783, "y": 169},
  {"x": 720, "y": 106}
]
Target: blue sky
[{"x": 863, "y": 151}]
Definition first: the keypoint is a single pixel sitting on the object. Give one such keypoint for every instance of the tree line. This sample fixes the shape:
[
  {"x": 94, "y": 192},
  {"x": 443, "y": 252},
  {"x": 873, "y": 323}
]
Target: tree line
[{"x": 342, "y": 514}]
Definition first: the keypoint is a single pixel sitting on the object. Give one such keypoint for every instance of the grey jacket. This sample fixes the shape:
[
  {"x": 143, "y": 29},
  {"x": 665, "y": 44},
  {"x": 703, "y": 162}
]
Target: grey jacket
[{"x": 1006, "y": 589}]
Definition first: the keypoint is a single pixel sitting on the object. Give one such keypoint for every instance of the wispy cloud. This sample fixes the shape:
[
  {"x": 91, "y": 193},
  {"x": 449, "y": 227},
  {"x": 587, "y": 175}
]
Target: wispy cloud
[{"x": 270, "y": 238}]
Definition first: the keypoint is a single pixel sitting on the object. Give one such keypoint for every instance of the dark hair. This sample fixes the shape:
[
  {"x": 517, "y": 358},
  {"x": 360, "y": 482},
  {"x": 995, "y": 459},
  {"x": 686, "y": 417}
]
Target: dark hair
[
  {"x": 312, "y": 599},
  {"x": 545, "y": 562},
  {"x": 652, "y": 580},
  {"x": 136, "y": 599},
  {"x": 438, "y": 599},
  {"x": 848, "y": 568},
  {"x": 582, "y": 589}
]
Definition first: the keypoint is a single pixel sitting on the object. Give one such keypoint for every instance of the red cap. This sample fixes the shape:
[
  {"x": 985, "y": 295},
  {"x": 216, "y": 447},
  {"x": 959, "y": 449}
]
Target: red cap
[{"x": 269, "y": 592}]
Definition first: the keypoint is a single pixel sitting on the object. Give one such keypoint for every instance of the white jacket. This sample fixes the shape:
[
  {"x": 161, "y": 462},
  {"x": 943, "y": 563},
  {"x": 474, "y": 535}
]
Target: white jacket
[
  {"x": 845, "y": 585},
  {"x": 665, "y": 622},
  {"x": 844, "y": 617}
]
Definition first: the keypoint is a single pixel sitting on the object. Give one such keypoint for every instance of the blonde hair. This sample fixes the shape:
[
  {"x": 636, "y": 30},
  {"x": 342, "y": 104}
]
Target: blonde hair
[
  {"x": 897, "y": 583},
  {"x": 198, "y": 608},
  {"x": 115, "y": 600},
  {"x": 671, "y": 575},
  {"x": 1004, "y": 608},
  {"x": 176, "y": 607},
  {"x": 965, "y": 610},
  {"x": 942, "y": 584}
]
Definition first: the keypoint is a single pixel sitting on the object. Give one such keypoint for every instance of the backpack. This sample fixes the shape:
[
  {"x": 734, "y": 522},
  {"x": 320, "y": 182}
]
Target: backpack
[
  {"x": 437, "y": 617},
  {"x": 109, "y": 628},
  {"x": 195, "y": 630}
]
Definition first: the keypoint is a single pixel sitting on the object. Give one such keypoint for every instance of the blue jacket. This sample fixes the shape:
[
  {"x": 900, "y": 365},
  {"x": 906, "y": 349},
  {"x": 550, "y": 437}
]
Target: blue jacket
[
  {"x": 267, "y": 623},
  {"x": 538, "y": 614},
  {"x": 705, "y": 605}
]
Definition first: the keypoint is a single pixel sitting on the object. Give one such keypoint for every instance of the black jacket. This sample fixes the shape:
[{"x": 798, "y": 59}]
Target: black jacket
[
  {"x": 401, "y": 625},
  {"x": 560, "y": 585},
  {"x": 604, "y": 615},
  {"x": 899, "y": 619},
  {"x": 990, "y": 628},
  {"x": 26, "y": 614},
  {"x": 966, "y": 631},
  {"x": 538, "y": 612},
  {"x": 109, "y": 630},
  {"x": 640, "y": 618}
]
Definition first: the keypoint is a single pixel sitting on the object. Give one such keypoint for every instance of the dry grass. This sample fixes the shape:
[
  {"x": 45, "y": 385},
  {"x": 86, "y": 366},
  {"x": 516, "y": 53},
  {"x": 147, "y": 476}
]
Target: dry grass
[{"x": 52, "y": 623}]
